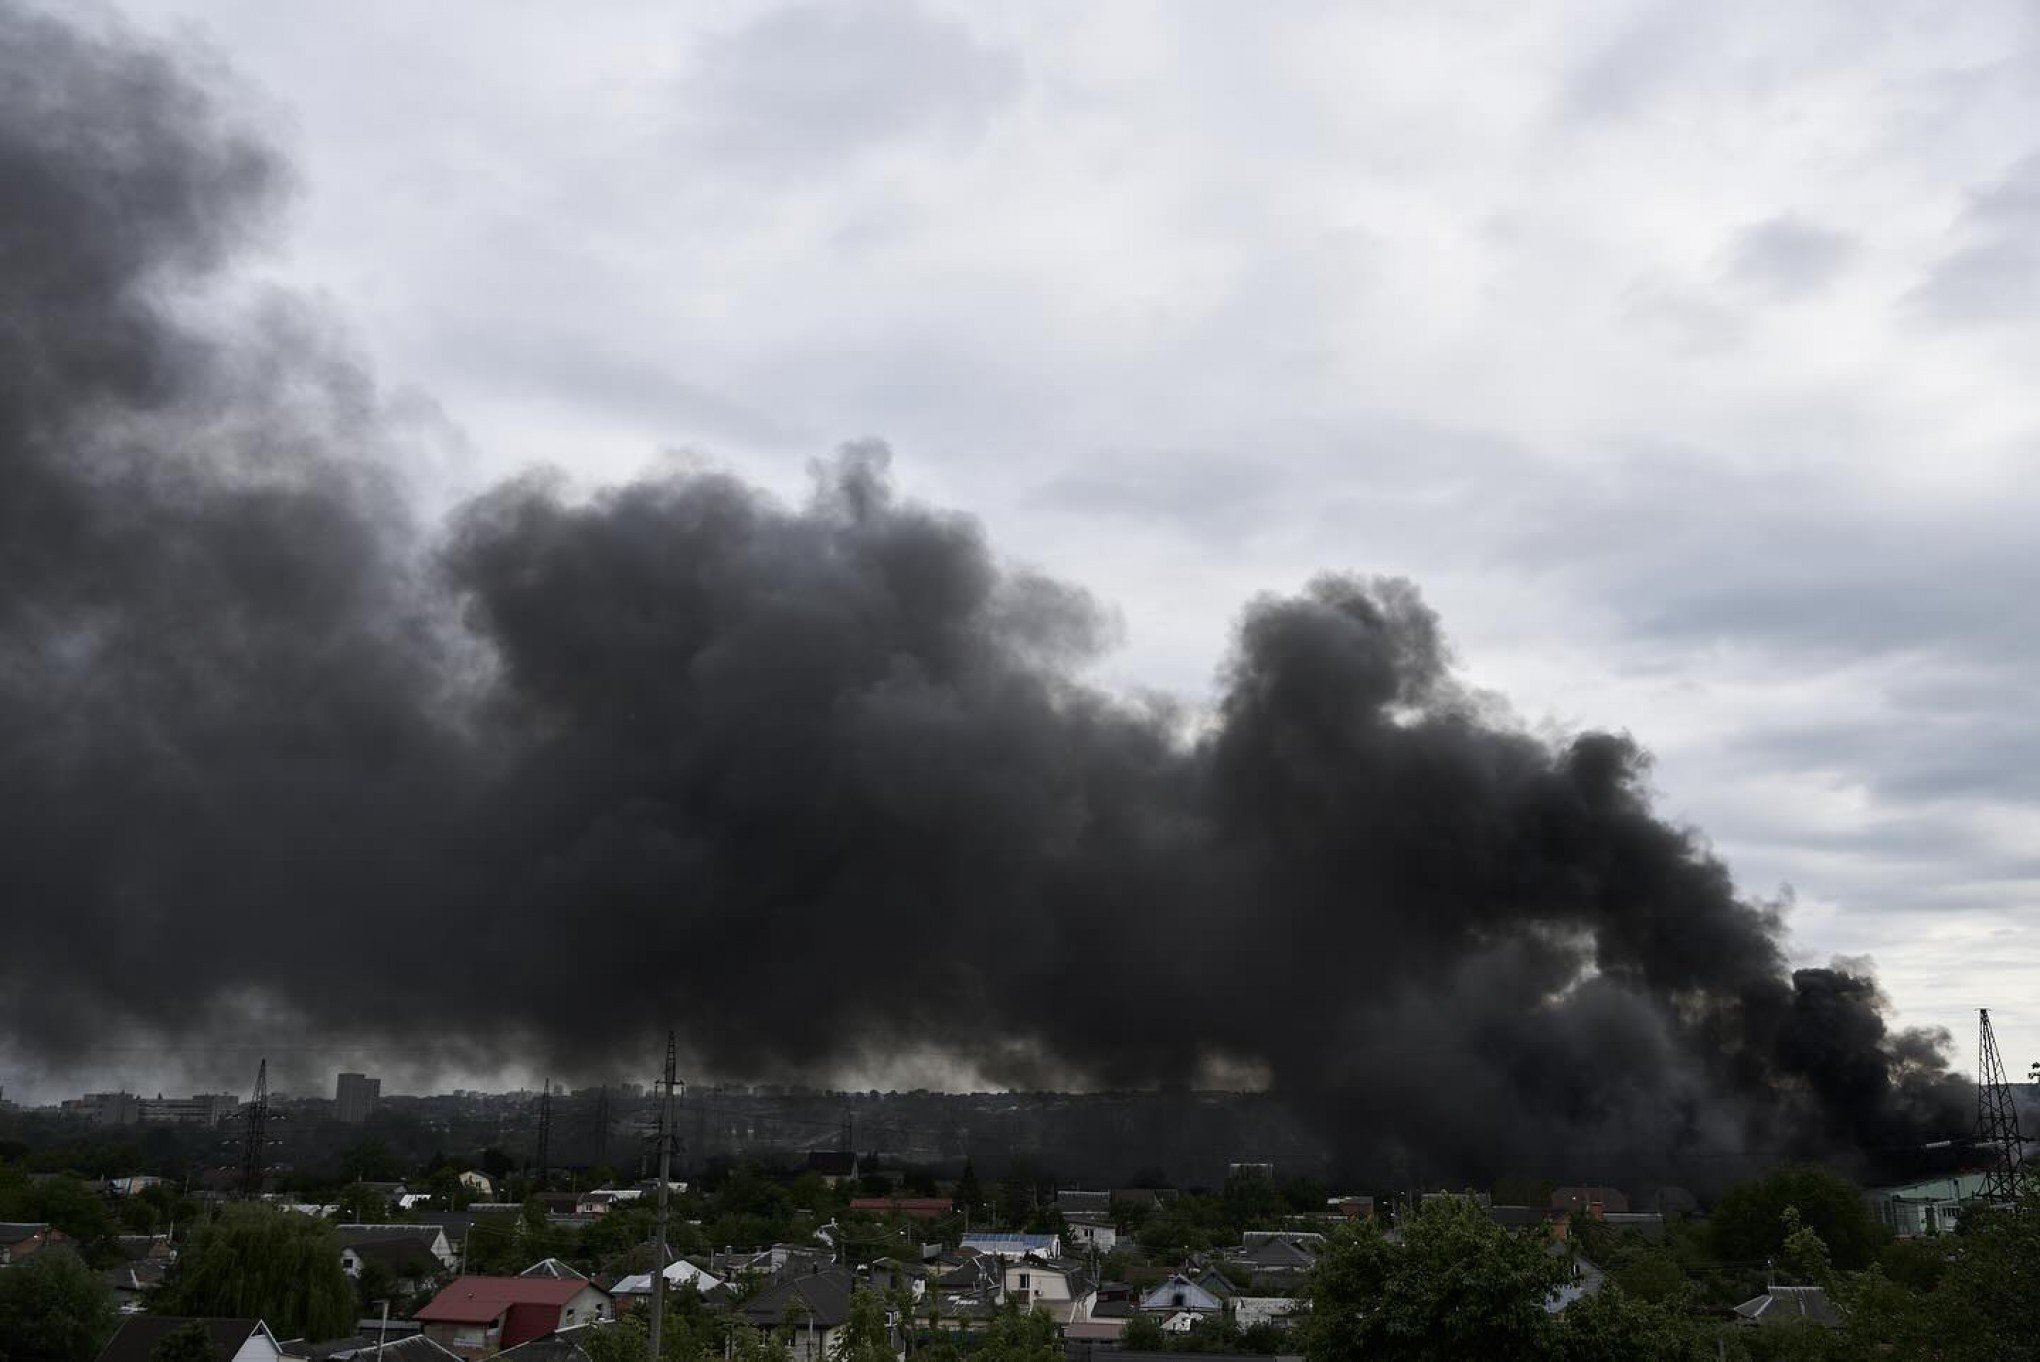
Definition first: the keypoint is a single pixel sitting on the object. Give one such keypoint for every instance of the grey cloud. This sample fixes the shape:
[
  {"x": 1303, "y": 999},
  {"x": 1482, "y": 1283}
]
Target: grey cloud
[
  {"x": 812, "y": 84},
  {"x": 1995, "y": 275},
  {"x": 1687, "y": 320},
  {"x": 606, "y": 376},
  {"x": 1627, "y": 71},
  {"x": 1926, "y": 615},
  {"x": 1686, "y": 549},
  {"x": 1208, "y": 496},
  {"x": 1789, "y": 258}
]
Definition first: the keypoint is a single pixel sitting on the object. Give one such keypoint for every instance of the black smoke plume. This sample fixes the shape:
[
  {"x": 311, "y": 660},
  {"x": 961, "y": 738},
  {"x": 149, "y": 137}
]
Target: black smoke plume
[{"x": 820, "y": 785}]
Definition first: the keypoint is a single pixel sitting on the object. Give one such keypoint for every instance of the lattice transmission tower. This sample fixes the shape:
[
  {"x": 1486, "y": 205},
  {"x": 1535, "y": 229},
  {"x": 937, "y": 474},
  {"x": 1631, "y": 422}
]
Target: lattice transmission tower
[
  {"x": 1997, "y": 1120},
  {"x": 255, "y": 1140}
]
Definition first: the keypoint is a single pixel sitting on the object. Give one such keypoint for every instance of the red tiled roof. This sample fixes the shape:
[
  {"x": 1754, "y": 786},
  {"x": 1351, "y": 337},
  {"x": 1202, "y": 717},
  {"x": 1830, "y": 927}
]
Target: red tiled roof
[{"x": 478, "y": 1300}]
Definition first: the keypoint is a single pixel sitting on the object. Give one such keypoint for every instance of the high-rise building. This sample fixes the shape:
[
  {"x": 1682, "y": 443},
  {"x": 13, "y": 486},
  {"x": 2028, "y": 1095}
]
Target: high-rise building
[{"x": 354, "y": 1098}]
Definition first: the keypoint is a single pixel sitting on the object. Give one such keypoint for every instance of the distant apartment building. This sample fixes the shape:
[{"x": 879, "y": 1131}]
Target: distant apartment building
[
  {"x": 200, "y": 1109},
  {"x": 106, "y": 1108},
  {"x": 126, "y": 1109},
  {"x": 354, "y": 1098}
]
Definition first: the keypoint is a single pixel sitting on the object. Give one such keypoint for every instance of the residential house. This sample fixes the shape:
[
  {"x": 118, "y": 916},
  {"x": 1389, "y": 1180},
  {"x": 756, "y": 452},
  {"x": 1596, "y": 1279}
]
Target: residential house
[
  {"x": 1215, "y": 1281},
  {"x": 1074, "y": 1201},
  {"x": 815, "y": 1307},
  {"x": 1114, "y": 1300},
  {"x": 232, "y": 1340},
  {"x": 777, "y": 1262},
  {"x": 430, "y": 1238},
  {"x": 1481, "y": 1199},
  {"x": 1179, "y": 1295},
  {"x": 405, "y": 1263},
  {"x": 1351, "y": 1206},
  {"x": 478, "y": 1183},
  {"x": 481, "y": 1316},
  {"x": 1920, "y": 1208},
  {"x": 1088, "y": 1334},
  {"x": 553, "y": 1267},
  {"x": 1059, "y": 1288},
  {"x": 136, "y": 1247},
  {"x": 1248, "y": 1311},
  {"x": 889, "y": 1274},
  {"x": 1278, "y": 1253},
  {"x": 637, "y": 1288},
  {"x": 21, "y": 1238},
  {"x": 144, "y": 1262},
  {"x": 402, "y": 1342},
  {"x": 1585, "y": 1278},
  {"x": 972, "y": 1288},
  {"x": 1150, "y": 1197},
  {"x": 564, "y": 1346},
  {"x": 1015, "y": 1245},
  {"x": 1649, "y": 1224},
  {"x": 1092, "y": 1229},
  {"x": 1589, "y": 1202},
  {"x": 412, "y": 1348},
  {"x": 132, "y": 1282},
  {"x": 1784, "y": 1304}
]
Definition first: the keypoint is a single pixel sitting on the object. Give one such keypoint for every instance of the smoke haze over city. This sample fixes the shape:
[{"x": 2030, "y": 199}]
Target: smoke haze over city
[{"x": 300, "y": 756}]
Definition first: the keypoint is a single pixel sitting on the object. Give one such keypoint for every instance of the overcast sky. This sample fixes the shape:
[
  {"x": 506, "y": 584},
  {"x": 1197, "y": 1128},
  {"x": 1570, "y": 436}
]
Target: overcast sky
[{"x": 1683, "y": 354}]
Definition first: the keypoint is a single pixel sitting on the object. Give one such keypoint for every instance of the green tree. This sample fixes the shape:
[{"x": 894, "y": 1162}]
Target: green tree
[
  {"x": 865, "y": 1336},
  {"x": 1804, "y": 1254},
  {"x": 188, "y": 1343},
  {"x": 629, "y": 1340},
  {"x": 1987, "y": 1304},
  {"x": 73, "y": 1206},
  {"x": 369, "y": 1160},
  {"x": 1017, "y": 1337},
  {"x": 1654, "y": 1276},
  {"x": 448, "y": 1192},
  {"x": 756, "y": 1345},
  {"x": 1252, "y": 1201},
  {"x": 1144, "y": 1334},
  {"x": 257, "y": 1261},
  {"x": 969, "y": 1195},
  {"x": 362, "y": 1205},
  {"x": 1613, "y": 1326},
  {"x": 53, "y": 1308},
  {"x": 1458, "y": 1286},
  {"x": 1749, "y": 1223}
]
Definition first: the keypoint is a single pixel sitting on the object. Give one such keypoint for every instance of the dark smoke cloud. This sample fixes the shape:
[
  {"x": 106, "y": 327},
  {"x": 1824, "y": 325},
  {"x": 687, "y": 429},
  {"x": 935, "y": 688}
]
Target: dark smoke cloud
[{"x": 818, "y": 785}]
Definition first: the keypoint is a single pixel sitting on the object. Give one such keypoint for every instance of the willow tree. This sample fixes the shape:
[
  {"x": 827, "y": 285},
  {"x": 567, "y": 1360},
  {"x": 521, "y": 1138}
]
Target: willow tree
[{"x": 260, "y": 1262}]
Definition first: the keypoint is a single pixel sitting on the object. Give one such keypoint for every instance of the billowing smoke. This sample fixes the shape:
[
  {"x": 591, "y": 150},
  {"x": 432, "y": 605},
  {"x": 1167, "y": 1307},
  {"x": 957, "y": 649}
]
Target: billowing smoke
[{"x": 821, "y": 785}]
